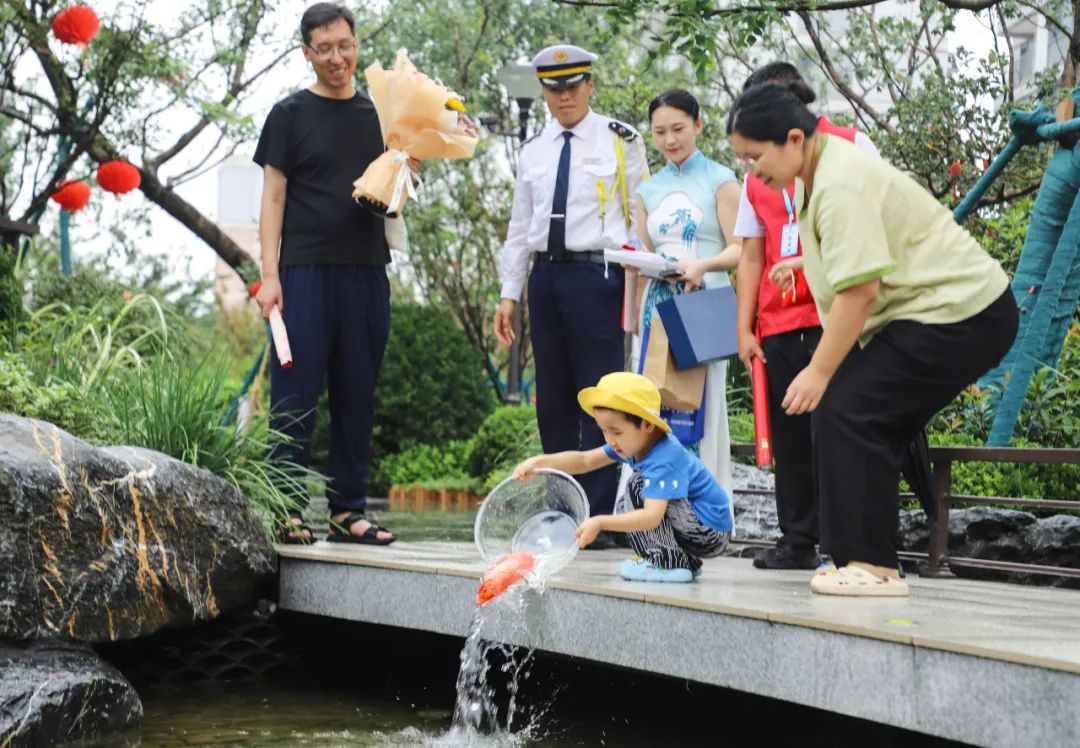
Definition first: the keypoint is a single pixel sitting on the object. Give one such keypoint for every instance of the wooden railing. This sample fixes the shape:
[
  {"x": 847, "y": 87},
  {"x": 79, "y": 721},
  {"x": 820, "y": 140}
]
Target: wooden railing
[{"x": 937, "y": 561}]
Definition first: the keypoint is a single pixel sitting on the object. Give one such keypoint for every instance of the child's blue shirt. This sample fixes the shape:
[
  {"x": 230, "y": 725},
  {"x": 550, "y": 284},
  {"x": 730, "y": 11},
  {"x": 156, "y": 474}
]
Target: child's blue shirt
[{"x": 671, "y": 473}]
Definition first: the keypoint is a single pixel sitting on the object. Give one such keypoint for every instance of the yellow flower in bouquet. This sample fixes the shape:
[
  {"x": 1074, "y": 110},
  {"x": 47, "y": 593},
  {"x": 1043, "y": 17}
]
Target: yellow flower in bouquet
[{"x": 422, "y": 119}]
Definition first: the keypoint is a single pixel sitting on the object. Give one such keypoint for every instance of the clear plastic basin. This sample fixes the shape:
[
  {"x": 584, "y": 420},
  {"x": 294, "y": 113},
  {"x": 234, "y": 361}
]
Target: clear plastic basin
[{"x": 539, "y": 516}]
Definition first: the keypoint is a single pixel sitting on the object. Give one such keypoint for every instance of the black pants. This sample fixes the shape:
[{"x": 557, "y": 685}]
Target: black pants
[
  {"x": 574, "y": 324},
  {"x": 338, "y": 320},
  {"x": 879, "y": 398},
  {"x": 786, "y": 355}
]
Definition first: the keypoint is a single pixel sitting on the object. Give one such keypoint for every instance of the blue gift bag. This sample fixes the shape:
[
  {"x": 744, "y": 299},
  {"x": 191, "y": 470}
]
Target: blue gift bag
[{"x": 700, "y": 326}]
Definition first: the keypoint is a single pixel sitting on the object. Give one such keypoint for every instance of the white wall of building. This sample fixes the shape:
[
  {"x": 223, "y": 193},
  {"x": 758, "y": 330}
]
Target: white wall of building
[
  {"x": 239, "y": 193},
  {"x": 1037, "y": 46}
]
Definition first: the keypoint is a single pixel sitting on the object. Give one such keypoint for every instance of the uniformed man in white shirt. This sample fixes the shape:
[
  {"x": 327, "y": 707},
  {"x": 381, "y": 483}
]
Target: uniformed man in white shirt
[{"x": 575, "y": 185}]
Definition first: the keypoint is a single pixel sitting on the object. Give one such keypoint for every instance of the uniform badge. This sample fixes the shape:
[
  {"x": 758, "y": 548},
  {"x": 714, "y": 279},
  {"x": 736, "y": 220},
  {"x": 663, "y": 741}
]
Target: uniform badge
[
  {"x": 561, "y": 56},
  {"x": 622, "y": 130}
]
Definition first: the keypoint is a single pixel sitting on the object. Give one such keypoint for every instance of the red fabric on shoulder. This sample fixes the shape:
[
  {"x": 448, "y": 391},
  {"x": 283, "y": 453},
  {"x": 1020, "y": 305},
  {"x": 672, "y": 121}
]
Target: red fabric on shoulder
[{"x": 775, "y": 314}]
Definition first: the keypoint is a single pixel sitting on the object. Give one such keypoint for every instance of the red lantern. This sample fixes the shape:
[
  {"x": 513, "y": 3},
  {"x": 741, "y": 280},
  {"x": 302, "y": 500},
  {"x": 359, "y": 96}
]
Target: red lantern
[
  {"x": 955, "y": 169},
  {"x": 72, "y": 196},
  {"x": 118, "y": 177},
  {"x": 76, "y": 25}
]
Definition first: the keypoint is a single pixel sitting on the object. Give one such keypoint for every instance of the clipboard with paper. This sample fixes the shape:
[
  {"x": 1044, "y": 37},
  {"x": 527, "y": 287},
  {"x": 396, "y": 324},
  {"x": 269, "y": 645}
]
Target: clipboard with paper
[{"x": 649, "y": 264}]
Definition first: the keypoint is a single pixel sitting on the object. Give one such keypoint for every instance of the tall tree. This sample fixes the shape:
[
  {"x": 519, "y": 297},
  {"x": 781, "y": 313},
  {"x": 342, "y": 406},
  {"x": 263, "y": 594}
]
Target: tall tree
[
  {"x": 167, "y": 97},
  {"x": 925, "y": 104}
]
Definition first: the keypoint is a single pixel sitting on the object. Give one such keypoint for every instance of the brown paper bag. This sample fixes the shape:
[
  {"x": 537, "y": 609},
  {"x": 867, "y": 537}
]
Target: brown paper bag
[{"x": 679, "y": 390}]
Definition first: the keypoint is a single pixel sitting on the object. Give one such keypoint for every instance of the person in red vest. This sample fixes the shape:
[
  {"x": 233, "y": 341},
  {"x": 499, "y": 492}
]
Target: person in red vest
[
  {"x": 912, "y": 308},
  {"x": 778, "y": 321}
]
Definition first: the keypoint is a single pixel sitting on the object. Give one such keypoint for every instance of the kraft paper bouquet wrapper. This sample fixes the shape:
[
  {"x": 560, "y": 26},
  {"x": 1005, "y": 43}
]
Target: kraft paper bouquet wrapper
[{"x": 422, "y": 119}]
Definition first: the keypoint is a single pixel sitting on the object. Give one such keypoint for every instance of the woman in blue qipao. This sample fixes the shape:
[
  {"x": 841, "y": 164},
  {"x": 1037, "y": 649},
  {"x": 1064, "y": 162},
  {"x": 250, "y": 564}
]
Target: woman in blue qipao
[{"x": 686, "y": 212}]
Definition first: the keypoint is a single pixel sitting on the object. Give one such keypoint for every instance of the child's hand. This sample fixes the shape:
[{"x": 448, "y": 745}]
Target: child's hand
[
  {"x": 588, "y": 531},
  {"x": 526, "y": 469}
]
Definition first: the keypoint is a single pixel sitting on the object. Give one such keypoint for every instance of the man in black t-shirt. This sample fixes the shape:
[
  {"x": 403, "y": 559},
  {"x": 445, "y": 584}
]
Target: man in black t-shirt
[{"x": 324, "y": 266}]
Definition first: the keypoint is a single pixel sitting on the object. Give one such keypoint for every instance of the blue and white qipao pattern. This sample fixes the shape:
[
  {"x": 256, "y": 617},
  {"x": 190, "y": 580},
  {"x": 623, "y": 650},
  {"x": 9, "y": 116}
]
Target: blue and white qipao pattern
[{"x": 681, "y": 204}]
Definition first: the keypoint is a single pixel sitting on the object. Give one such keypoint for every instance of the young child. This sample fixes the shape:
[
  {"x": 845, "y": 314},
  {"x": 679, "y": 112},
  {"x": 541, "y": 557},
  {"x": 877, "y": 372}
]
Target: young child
[{"x": 673, "y": 509}]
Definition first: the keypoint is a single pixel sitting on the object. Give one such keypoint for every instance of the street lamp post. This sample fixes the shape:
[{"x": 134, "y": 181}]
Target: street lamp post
[{"x": 519, "y": 80}]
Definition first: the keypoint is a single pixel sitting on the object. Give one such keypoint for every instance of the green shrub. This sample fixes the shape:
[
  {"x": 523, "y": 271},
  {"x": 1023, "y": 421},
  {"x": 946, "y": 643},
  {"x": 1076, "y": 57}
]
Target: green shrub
[
  {"x": 424, "y": 462},
  {"x": 59, "y": 403},
  {"x": 1059, "y": 482},
  {"x": 432, "y": 388},
  {"x": 472, "y": 485},
  {"x": 506, "y": 437},
  {"x": 1008, "y": 479},
  {"x": 93, "y": 282}
]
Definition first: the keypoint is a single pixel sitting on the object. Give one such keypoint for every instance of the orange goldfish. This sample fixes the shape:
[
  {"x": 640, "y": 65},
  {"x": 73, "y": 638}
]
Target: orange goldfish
[{"x": 506, "y": 572}]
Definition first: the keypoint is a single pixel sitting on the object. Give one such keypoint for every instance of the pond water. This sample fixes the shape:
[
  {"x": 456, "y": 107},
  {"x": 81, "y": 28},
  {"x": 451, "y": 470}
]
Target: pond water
[
  {"x": 273, "y": 714},
  {"x": 343, "y": 684}
]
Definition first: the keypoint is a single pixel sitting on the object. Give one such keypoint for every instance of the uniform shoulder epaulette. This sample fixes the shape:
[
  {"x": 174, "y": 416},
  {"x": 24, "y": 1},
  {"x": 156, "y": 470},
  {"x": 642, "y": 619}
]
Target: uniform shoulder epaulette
[{"x": 625, "y": 132}]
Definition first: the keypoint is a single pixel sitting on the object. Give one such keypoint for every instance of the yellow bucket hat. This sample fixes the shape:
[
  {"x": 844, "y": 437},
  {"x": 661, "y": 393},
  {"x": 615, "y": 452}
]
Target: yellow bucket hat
[{"x": 627, "y": 393}]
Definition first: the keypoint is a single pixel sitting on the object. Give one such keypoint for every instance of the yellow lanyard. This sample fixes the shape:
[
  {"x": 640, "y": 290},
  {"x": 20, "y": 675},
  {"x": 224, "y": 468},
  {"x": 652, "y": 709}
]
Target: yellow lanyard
[{"x": 618, "y": 185}]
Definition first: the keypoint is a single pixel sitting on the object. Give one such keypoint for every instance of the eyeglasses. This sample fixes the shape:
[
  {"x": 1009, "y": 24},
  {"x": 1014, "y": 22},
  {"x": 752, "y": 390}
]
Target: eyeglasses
[
  {"x": 347, "y": 49},
  {"x": 749, "y": 163}
]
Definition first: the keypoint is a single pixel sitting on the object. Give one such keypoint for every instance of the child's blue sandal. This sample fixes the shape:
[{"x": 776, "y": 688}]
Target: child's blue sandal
[{"x": 640, "y": 570}]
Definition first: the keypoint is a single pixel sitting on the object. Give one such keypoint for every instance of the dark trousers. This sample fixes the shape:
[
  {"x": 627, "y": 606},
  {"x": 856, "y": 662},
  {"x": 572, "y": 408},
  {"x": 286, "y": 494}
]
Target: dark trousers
[
  {"x": 574, "y": 324},
  {"x": 786, "y": 355},
  {"x": 338, "y": 320},
  {"x": 879, "y": 398}
]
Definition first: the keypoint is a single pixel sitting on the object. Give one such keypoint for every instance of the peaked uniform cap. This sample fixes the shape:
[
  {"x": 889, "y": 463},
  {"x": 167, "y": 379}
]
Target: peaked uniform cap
[{"x": 563, "y": 65}]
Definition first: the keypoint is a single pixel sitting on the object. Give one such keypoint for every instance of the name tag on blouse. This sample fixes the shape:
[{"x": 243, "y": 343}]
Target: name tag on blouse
[{"x": 789, "y": 240}]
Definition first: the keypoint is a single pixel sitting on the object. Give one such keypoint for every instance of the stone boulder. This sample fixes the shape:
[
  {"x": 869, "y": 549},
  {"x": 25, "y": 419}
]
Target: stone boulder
[
  {"x": 1009, "y": 535},
  {"x": 116, "y": 543},
  {"x": 57, "y": 692},
  {"x": 755, "y": 509},
  {"x": 1056, "y": 540},
  {"x": 1002, "y": 535}
]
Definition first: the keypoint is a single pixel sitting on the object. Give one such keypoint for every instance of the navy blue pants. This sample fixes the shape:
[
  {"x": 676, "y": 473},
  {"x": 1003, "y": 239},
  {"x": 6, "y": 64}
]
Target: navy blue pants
[
  {"x": 575, "y": 326},
  {"x": 338, "y": 320}
]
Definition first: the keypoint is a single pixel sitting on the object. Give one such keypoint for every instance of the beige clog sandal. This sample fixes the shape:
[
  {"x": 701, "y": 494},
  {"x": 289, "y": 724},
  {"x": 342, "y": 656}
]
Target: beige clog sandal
[{"x": 852, "y": 581}]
